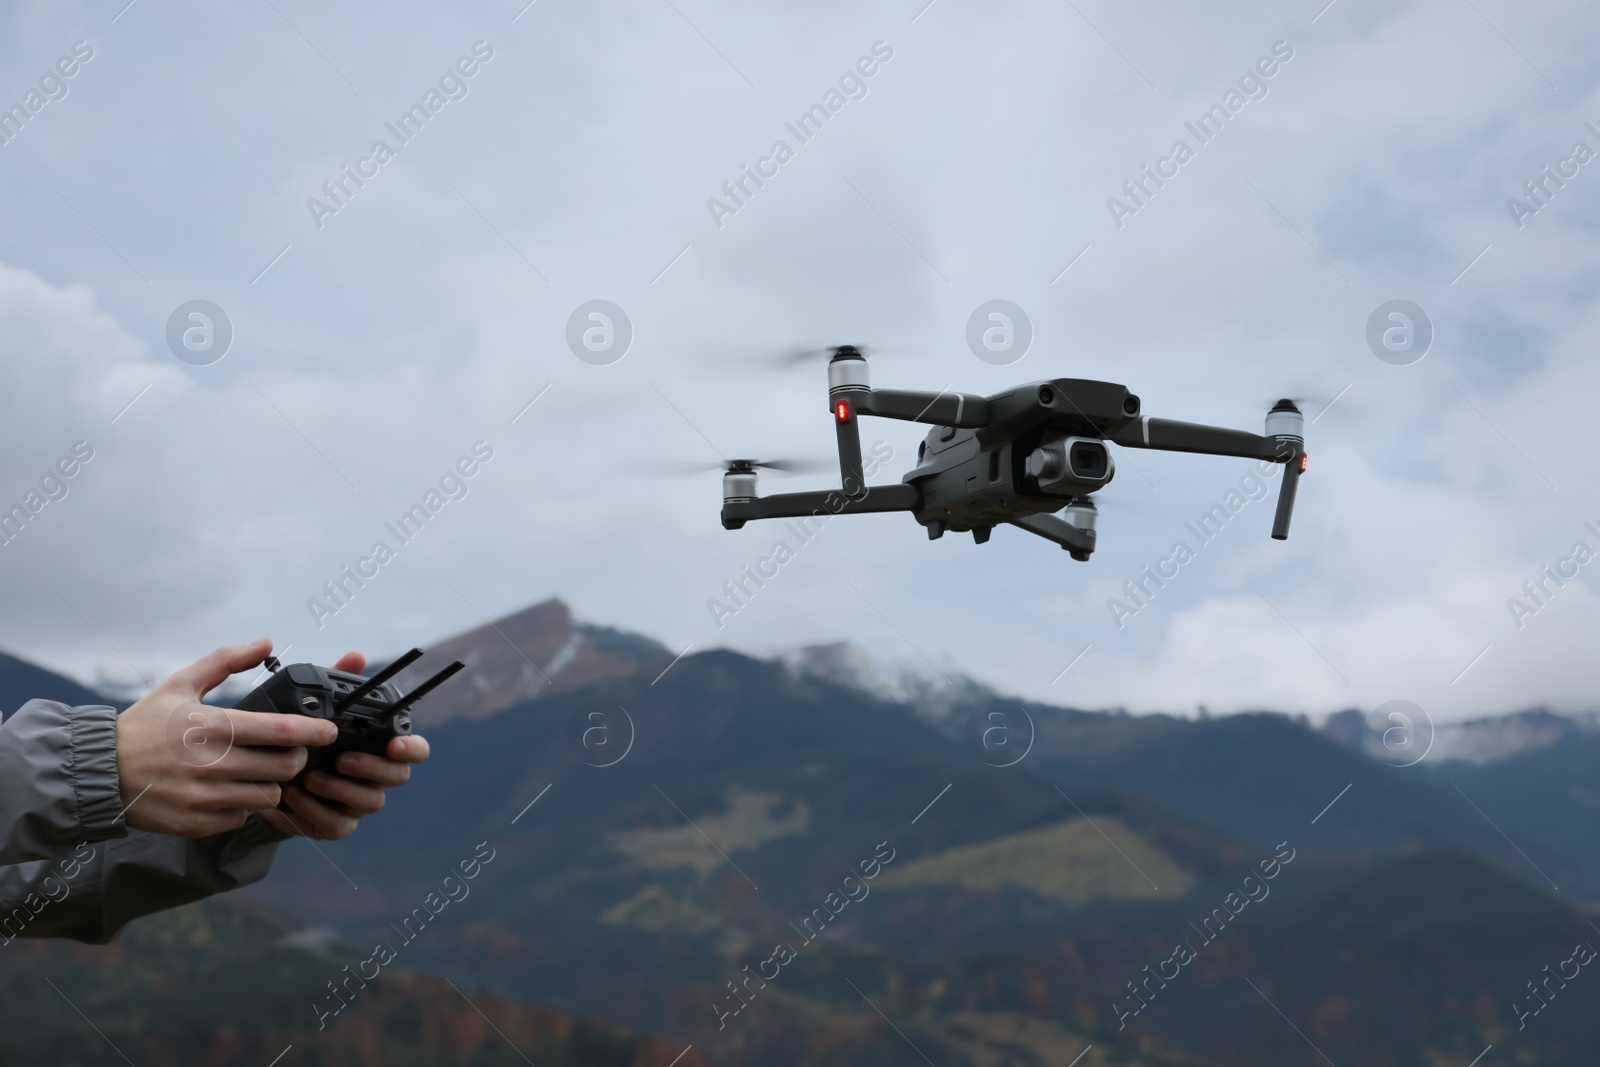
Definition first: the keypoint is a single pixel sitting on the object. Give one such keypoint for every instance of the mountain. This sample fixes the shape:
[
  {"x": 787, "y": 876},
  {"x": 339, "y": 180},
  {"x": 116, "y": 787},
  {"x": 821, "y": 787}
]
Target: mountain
[
  {"x": 225, "y": 982},
  {"x": 1476, "y": 741},
  {"x": 1243, "y": 773},
  {"x": 661, "y": 838},
  {"x": 1547, "y": 800},
  {"x": 530, "y": 654},
  {"x": 21, "y": 681},
  {"x": 610, "y": 900},
  {"x": 1248, "y": 775},
  {"x": 843, "y": 664},
  {"x": 792, "y": 862}
]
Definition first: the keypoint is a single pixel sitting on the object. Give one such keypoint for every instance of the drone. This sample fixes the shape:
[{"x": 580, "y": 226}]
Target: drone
[{"x": 1016, "y": 457}]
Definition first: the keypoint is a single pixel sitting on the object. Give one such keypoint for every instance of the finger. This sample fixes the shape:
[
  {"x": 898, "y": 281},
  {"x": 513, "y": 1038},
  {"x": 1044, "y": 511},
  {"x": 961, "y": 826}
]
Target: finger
[
  {"x": 228, "y": 797},
  {"x": 351, "y": 663},
  {"x": 208, "y": 672},
  {"x": 316, "y": 818},
  {"x": 356, "y": 798},
  {"x": 247, "y": 764},
  {"x": 282, "y": 731},
  {"x": 411, "y": 748},
  {"x": 375, "y": 769},
  {"x": 210, "y": 823}
]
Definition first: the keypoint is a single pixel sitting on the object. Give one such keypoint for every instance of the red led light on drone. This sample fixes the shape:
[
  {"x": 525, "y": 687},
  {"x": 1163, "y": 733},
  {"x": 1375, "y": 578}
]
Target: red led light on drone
[
  {"x": 1305, "y": 461},
  {"x": 841, "y": 411}
]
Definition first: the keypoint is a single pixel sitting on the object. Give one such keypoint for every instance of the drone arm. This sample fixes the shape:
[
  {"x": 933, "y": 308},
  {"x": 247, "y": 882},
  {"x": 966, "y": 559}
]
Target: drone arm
[
  {"x": 821, "y": 504},
  {"x": 1283, "y": 444},
  {"x": 1170, "y": 435},
  {"x": 853, "y": 398},
  {"x": 961, "y": 410},
  {"x": 1079, "y": 542}
]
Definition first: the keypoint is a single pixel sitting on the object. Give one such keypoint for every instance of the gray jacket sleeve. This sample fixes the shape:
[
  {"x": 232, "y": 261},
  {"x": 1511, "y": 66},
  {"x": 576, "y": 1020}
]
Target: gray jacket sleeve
[
  {"x": 92, "y": 892},
  {"x": 58, "y": 780},
  {"x": 72, "y": 867}
]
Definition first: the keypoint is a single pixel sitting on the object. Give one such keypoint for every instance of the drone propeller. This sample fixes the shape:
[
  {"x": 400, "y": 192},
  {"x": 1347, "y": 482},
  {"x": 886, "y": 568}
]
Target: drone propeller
[
  {"x": 1105, "y": 502},
  {"x": 1312, "y": 402},
  {"x": 788, "y": 466},
  {"x": 1308, "y": 402},
  {"x": 785, "y": 466},
  {"x": 795, "y": 357}
]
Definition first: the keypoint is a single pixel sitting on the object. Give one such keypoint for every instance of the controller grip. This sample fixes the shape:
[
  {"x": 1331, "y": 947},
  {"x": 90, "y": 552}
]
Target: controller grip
[{"x": 323, "y": 757}]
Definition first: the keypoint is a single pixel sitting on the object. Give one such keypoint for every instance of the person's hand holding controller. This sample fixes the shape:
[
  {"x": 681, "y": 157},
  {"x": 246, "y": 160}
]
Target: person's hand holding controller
[{"x": 192, "y": 770}]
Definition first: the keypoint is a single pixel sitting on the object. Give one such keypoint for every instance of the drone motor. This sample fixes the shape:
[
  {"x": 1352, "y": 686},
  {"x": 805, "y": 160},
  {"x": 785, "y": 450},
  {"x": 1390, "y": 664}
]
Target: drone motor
[
  {"x": 1286, "y": 421},
  {"x": 1082, "y": 513},
  {"x": 739, "y": 481}
]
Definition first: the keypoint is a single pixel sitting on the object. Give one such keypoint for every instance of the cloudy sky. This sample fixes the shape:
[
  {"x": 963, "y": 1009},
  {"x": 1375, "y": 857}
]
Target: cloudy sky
[{"x": 379, "y": 333}]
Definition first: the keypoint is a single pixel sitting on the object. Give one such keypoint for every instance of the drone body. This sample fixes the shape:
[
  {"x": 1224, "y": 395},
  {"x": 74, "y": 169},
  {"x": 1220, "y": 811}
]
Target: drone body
[{"x": 1016, "y": 457}]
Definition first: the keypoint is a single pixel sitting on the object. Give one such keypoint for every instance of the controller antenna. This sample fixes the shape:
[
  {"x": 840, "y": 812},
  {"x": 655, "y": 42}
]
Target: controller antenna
[
  {"x": 425, "y": 688},
  {"x": 378, "y": 679}
]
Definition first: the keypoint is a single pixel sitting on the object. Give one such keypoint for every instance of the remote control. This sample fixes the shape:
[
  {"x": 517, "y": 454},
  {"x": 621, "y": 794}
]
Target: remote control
[{"x": 368, "y": 711}]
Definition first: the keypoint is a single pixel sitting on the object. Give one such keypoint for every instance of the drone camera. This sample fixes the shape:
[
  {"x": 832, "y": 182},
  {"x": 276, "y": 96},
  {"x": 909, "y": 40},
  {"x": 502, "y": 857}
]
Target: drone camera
[
  {"x": 1071, "y": 466},
  {"x": 1088, "y": 459}
]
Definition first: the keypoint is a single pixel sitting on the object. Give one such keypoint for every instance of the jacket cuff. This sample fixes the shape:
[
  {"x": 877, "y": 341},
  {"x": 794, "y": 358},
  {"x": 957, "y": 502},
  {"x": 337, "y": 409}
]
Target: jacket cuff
[
  {"x": 92, "y": 768},
  {"x": 242, "y": 856},
  {"x": 255, "y": 832}
]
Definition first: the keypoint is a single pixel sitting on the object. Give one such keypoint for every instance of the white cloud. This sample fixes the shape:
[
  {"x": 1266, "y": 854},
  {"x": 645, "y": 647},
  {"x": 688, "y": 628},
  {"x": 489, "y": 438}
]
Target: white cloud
[{"x": 379, "y": 348}]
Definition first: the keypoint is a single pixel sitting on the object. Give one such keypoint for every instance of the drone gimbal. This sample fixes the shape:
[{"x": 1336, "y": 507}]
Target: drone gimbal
[{"x": 1016, "y": 457}]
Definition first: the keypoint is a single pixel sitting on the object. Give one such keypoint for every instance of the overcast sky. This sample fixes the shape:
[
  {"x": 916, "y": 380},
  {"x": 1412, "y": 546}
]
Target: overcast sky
[{"x": 379, "y": 336}]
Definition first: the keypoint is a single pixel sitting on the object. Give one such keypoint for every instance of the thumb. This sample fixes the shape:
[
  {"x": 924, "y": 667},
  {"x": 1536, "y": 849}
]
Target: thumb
[{"x": 208, "y": 672}]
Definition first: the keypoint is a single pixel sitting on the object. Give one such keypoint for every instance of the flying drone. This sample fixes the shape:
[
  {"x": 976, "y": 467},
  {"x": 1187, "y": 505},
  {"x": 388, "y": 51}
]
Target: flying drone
[{"x": 1016, "y": 457}]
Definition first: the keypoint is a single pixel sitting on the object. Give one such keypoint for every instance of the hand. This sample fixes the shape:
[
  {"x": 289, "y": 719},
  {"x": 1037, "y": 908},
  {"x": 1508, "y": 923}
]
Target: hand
[
  {"x": 192, "y": 770},
  {"x": 356, "y": 791}
]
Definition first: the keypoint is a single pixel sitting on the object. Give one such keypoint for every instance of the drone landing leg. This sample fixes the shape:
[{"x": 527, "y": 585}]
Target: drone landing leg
[
  {"x": 850, "y": 475},
  {"x": 1291, "y": 481},
  {"x": 1078, "y": 542}
]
